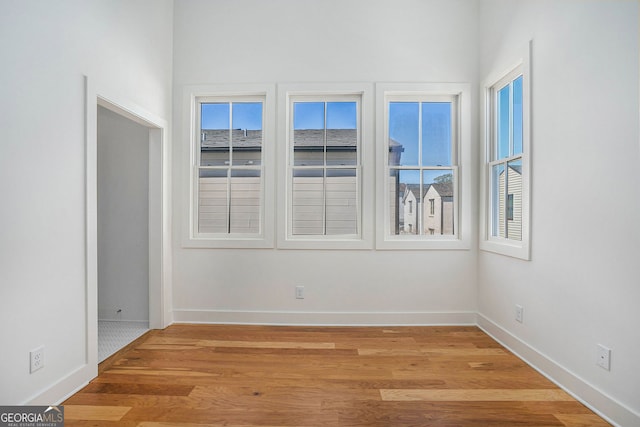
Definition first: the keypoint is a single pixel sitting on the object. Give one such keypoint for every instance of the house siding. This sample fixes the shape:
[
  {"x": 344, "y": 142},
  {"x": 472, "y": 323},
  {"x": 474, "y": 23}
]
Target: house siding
[{"x": 514, "y": 186}]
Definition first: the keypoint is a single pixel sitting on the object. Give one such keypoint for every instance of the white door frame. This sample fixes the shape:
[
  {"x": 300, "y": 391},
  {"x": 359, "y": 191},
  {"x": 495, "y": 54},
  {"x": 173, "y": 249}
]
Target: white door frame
[{"x": 159, "y": 210}]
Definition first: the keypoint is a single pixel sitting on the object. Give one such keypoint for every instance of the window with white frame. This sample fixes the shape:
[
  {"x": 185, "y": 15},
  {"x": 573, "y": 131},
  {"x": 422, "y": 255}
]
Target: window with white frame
[
  {"x": 505, "y": 163},
  {"x": 423, "y": 140},
  {"x": 506, "y": 170},
  {"x": 324, "y": 166},
  {"x": 228, "y": 156},
  {"x": 327, "y": 180}
]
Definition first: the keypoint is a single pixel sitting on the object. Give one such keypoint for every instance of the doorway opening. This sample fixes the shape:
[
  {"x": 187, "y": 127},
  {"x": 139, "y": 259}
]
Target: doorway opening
[{"x": 123, "y": 230}]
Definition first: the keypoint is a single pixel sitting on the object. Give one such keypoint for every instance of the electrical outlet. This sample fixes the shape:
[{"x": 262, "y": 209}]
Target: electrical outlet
[
  {"x": 519, "y": 313},
  {"x": 37, "y": 359},
  {"x": 604, "y": 357},
  {"x": 299, "y": 292}
]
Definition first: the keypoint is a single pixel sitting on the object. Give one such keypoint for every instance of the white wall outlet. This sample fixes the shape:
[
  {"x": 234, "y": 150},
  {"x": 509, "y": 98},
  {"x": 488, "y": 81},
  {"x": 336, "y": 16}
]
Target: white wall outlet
[
  {"x": 604, "y": 357},
  {"x": 37, "y": 359},
  {"x": 299, "y": 292},
  {"x": 519, "y": 313}
]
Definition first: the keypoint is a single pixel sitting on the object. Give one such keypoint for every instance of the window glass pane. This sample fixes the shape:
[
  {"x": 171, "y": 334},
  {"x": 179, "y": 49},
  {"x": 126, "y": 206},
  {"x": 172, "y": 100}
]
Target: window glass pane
[
  {"x": 497, "y": 200},
  {"x": 438, "y": 202},
  {"x": 342, "y": 115},
  {"x": 436, "y": 133},
  {"x": 308, "y": 133},
  {"x": 517, "y": 116},
  {"x": 212, "y": 207},
  {"x": 514, "y": 192},
  {"x": 503, "y": 123},
  {"x": 215, "y": 115},
  {"x": 308, "y": 202},
  {"x": 408, "y": 202},
  {"x": 403, "y": 133},
  {"x": 342, "y": 133},
  {"x": 341, "y": 201},
  {"x": 214, "y": 134},
  {"x": 244, "y": 201},
  {"x": 394, "y": 201},
  {"x": 342, "y": 147},
  {"x": 247, "y": 133}
]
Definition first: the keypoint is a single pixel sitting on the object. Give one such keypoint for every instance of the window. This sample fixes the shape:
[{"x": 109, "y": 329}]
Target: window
[
  {"x": 506, "y": 158},
  {"x": 423, "y": 139},
  {"x": 230, "y": 166},
  {"x": 324, "y": 165},
  {"x": 230, "y": 149},
  {"x": 324, "y": 184},
  {"x": 505, "y": 226}
]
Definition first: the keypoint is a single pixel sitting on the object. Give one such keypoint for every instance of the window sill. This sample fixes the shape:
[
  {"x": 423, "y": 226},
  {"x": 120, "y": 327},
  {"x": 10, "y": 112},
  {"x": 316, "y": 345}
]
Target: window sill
[
  {"x": 513, "y": 249},
  {"x": 259, "y": 242},
  {"x": 420, "y": 243},
  {"x": 334, "y": 243}
]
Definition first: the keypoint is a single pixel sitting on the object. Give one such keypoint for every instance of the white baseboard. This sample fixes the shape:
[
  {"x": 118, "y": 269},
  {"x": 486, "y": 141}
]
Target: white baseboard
[
  {"x": 65, "y": 387},
  {"x": 605, "y": 406},
  {"x": 324, "y": 318}
]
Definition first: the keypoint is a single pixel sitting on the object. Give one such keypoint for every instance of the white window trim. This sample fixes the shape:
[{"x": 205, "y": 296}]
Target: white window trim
[
  {"x": 364, "y": 239},
  {"x": 190, "y": 136},
  {"x": 462, "y": 200},
  {"x": 518, "y": 249}
]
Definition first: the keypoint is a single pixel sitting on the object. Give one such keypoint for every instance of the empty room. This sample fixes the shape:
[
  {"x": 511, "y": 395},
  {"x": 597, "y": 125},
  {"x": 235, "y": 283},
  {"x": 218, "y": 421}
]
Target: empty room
[{"x": 321, "y": 212}]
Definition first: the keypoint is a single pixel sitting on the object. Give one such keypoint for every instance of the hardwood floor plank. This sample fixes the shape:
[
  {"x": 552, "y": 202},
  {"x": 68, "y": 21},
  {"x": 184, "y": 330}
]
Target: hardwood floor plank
[
  {"x": 143, "y": 389},
  {"x": 581, "y": 420},
  {"x": 427, "y": 352},
  {"x": 250, "y": 376},
  {"x": 95, "y": 412},
  {"x": 484, "y": 395}
]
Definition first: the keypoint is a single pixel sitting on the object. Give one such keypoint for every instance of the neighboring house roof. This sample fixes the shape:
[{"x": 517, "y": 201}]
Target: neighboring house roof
[
  {"x": 415, "y": 190},
  {"x": 444, "y": 190},
  {"x": 517, "y": 169},
  {"x": 310, "y": 139},
  {"x": 314, "y": 138},
  {"x": 218, "y": 139}
]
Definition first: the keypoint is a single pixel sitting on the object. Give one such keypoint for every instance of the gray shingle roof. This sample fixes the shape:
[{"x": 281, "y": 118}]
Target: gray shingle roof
[
  {"x": 444, "y": 190},
  {"x": 212, "y": 139}
]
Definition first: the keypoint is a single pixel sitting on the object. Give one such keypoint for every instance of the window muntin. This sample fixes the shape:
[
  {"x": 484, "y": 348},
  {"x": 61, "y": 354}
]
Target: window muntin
[
  {"x": 506, "y": 153},
  {"x": 229, "y": 188},
  {"x": 422, "y": 165},
  {"x": 324, "y": 166}
]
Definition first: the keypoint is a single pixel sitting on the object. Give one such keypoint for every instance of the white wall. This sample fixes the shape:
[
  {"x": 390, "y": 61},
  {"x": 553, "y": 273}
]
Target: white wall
[
  {"x": 123, "y": 218},
  {"x": 581, "y": 286},
  {"x": 285, "y": 41},
  {"x": 46, "y": 48}
]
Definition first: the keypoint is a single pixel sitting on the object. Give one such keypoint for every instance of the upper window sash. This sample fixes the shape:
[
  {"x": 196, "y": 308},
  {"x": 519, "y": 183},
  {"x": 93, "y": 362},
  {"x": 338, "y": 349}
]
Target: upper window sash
[{"x": 507, "y": 116}]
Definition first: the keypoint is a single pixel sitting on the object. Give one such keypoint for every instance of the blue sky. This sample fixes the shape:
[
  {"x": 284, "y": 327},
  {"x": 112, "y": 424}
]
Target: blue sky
[
  {"x": 310, "y": 115},
  {"x": 404, "y": 127},
  {"x": 246, "y": 115},
  {"x": 307, "y": 115},
  {"x": 509, "y": 133}
]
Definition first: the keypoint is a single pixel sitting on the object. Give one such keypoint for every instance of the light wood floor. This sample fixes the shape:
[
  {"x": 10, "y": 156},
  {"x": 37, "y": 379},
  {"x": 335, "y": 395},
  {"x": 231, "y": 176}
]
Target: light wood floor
[{"x": 207, "y": 375}]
